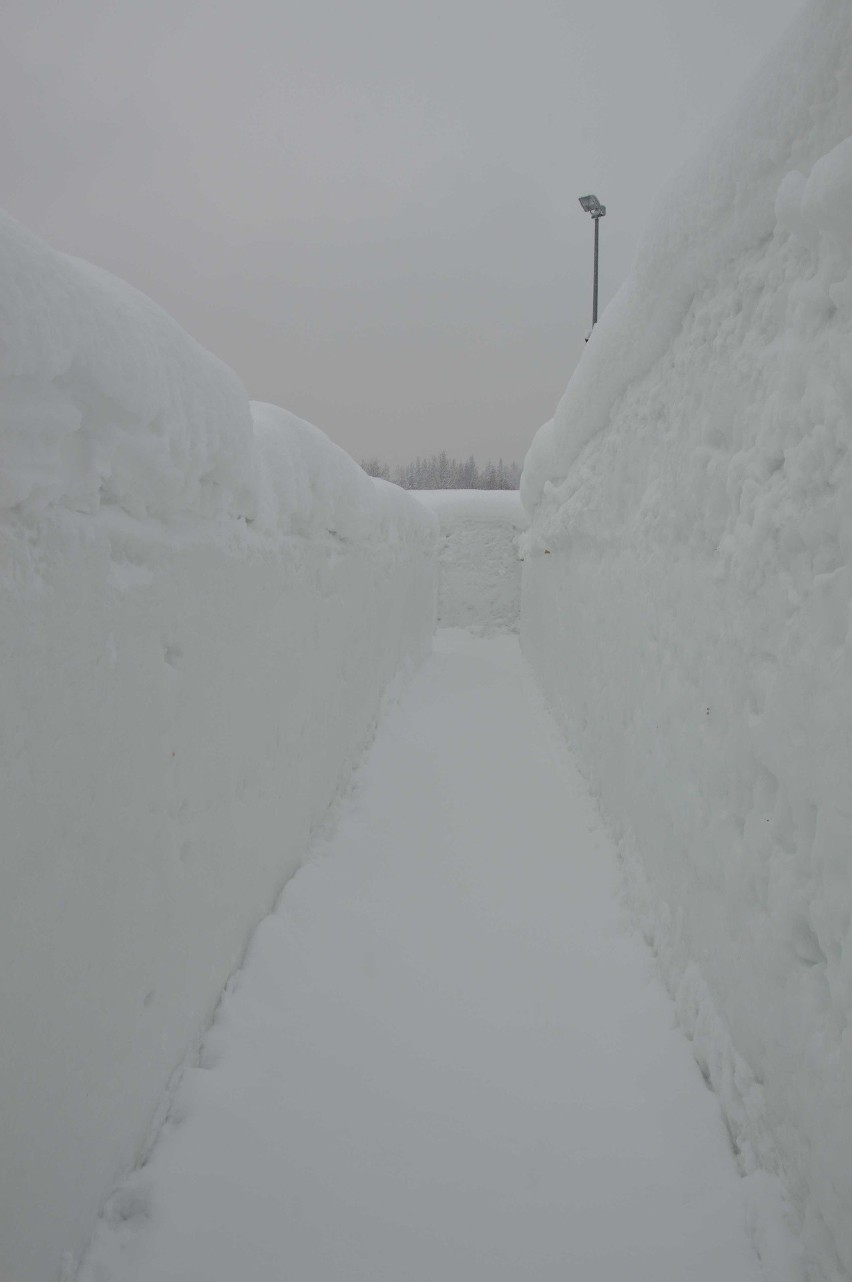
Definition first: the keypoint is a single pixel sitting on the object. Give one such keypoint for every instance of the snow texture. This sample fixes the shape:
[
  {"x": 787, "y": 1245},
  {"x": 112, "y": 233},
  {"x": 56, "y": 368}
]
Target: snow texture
[
  {"x": 201, "y": 605},
  {"x": 688, "y": 599},
  {"x": 479, "y": 571},
  {"x": 447, "y": 1055}
]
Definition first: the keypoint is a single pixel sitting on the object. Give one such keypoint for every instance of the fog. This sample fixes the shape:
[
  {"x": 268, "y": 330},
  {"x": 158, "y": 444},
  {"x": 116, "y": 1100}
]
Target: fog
[{"x": 369, "y": 211}]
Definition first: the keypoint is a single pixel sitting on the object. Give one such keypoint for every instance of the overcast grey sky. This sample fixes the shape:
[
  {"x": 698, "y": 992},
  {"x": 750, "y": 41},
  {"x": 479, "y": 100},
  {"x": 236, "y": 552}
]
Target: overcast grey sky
[{"x": 368, "y": 209}]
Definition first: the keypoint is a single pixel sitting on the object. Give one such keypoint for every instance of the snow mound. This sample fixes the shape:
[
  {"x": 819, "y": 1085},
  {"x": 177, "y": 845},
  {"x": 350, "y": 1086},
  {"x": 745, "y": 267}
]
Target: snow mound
[
  {"x": 106, "y": 403},
  {"x": 479, "y": 572},
  {"x": 718, "y": 206},
  {"x": 308, "y": 484},
  {"x": 691, "y": 619},
  {"x": 104, "y": 400},
  {"x": 202, "y": 604}
]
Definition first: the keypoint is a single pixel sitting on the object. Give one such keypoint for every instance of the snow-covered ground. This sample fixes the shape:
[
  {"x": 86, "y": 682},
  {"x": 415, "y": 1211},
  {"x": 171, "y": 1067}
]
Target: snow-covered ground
[
  {"x": 201, "y": 604},
  {"x": 447, "y": 1054},
  {"x": 688, "y": 600},
  {"x": 479, "y": 571}
]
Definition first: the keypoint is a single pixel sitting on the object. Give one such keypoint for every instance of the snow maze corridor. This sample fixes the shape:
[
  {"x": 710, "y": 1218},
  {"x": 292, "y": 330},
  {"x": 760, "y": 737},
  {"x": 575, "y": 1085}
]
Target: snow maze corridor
[{"x": 448, "y": 1054}]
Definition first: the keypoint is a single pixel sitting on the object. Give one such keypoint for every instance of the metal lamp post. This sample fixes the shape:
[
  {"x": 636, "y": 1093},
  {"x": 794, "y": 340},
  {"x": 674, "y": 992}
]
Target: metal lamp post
[{"x": 593, "y": 206}]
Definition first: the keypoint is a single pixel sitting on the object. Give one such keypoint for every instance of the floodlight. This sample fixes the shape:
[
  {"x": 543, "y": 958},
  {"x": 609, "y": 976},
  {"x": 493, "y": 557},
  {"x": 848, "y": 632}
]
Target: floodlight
[{"x": 593, "y": 206}]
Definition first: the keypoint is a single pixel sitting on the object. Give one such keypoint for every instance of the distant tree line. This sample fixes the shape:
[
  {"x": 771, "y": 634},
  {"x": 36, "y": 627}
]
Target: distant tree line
[{"x": 443, "y": 473}]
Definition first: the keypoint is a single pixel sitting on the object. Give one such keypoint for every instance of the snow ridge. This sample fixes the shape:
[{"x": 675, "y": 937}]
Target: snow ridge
[
  {"x": 688, "y": 601},
  {"x": 717, "y": 206},
  {"x": 202, "y": 602}
]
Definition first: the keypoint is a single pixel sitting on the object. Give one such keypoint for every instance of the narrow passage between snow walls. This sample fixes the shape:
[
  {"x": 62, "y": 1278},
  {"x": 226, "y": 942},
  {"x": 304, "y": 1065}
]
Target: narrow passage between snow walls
[{"x": 448, "y": 1054}]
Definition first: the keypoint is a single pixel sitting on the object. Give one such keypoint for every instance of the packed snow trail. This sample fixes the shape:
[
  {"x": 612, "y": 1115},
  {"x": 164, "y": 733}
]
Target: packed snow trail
[{"x": 447, "y": 1055}]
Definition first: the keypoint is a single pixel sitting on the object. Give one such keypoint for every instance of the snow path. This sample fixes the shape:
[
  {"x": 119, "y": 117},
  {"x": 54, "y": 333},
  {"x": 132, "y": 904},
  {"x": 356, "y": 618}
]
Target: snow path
[{"x": 447, "y": 1056}]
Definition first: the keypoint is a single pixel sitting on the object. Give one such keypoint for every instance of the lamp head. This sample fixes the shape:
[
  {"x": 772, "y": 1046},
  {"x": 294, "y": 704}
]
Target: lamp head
[{"x": 593, "y": 206}]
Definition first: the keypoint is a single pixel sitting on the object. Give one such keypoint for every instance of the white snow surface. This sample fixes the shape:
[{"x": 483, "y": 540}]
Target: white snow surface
[
  {"x": 201, "y": 605},
  {"x": 479, "y": 570},
  {"x": 688, "y": 599},
  {"x": 104, "y": 400},
  {"x": 447, "y": 1054},
  {"x": 717, "y": 207},
  {"x": 106, "y": 403}
]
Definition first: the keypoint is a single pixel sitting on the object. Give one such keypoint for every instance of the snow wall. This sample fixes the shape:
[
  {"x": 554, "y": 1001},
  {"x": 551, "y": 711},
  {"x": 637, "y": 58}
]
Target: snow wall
[
  {"x": 201, "y": 605},
  {"x": 686, "y": 605},
  {"x": 479, "y": 570}
]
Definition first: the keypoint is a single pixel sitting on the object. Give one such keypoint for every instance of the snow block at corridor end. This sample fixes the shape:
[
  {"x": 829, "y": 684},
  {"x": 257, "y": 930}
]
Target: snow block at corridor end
[
  {"x": 479, "y": 571},
  {"x": 202, "y": 603},
  {"x": 691, "y": 622}
]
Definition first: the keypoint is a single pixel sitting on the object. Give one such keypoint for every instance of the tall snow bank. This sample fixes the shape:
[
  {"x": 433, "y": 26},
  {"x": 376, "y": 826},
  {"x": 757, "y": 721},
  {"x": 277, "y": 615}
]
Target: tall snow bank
[
  {"x": 201, "y": 605},
  {"x": 104, "y": 400},
  {"x": 479, "y": 571},
  {"x": 718, "y": 206},
  {"x": 687, "y": 605}
]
